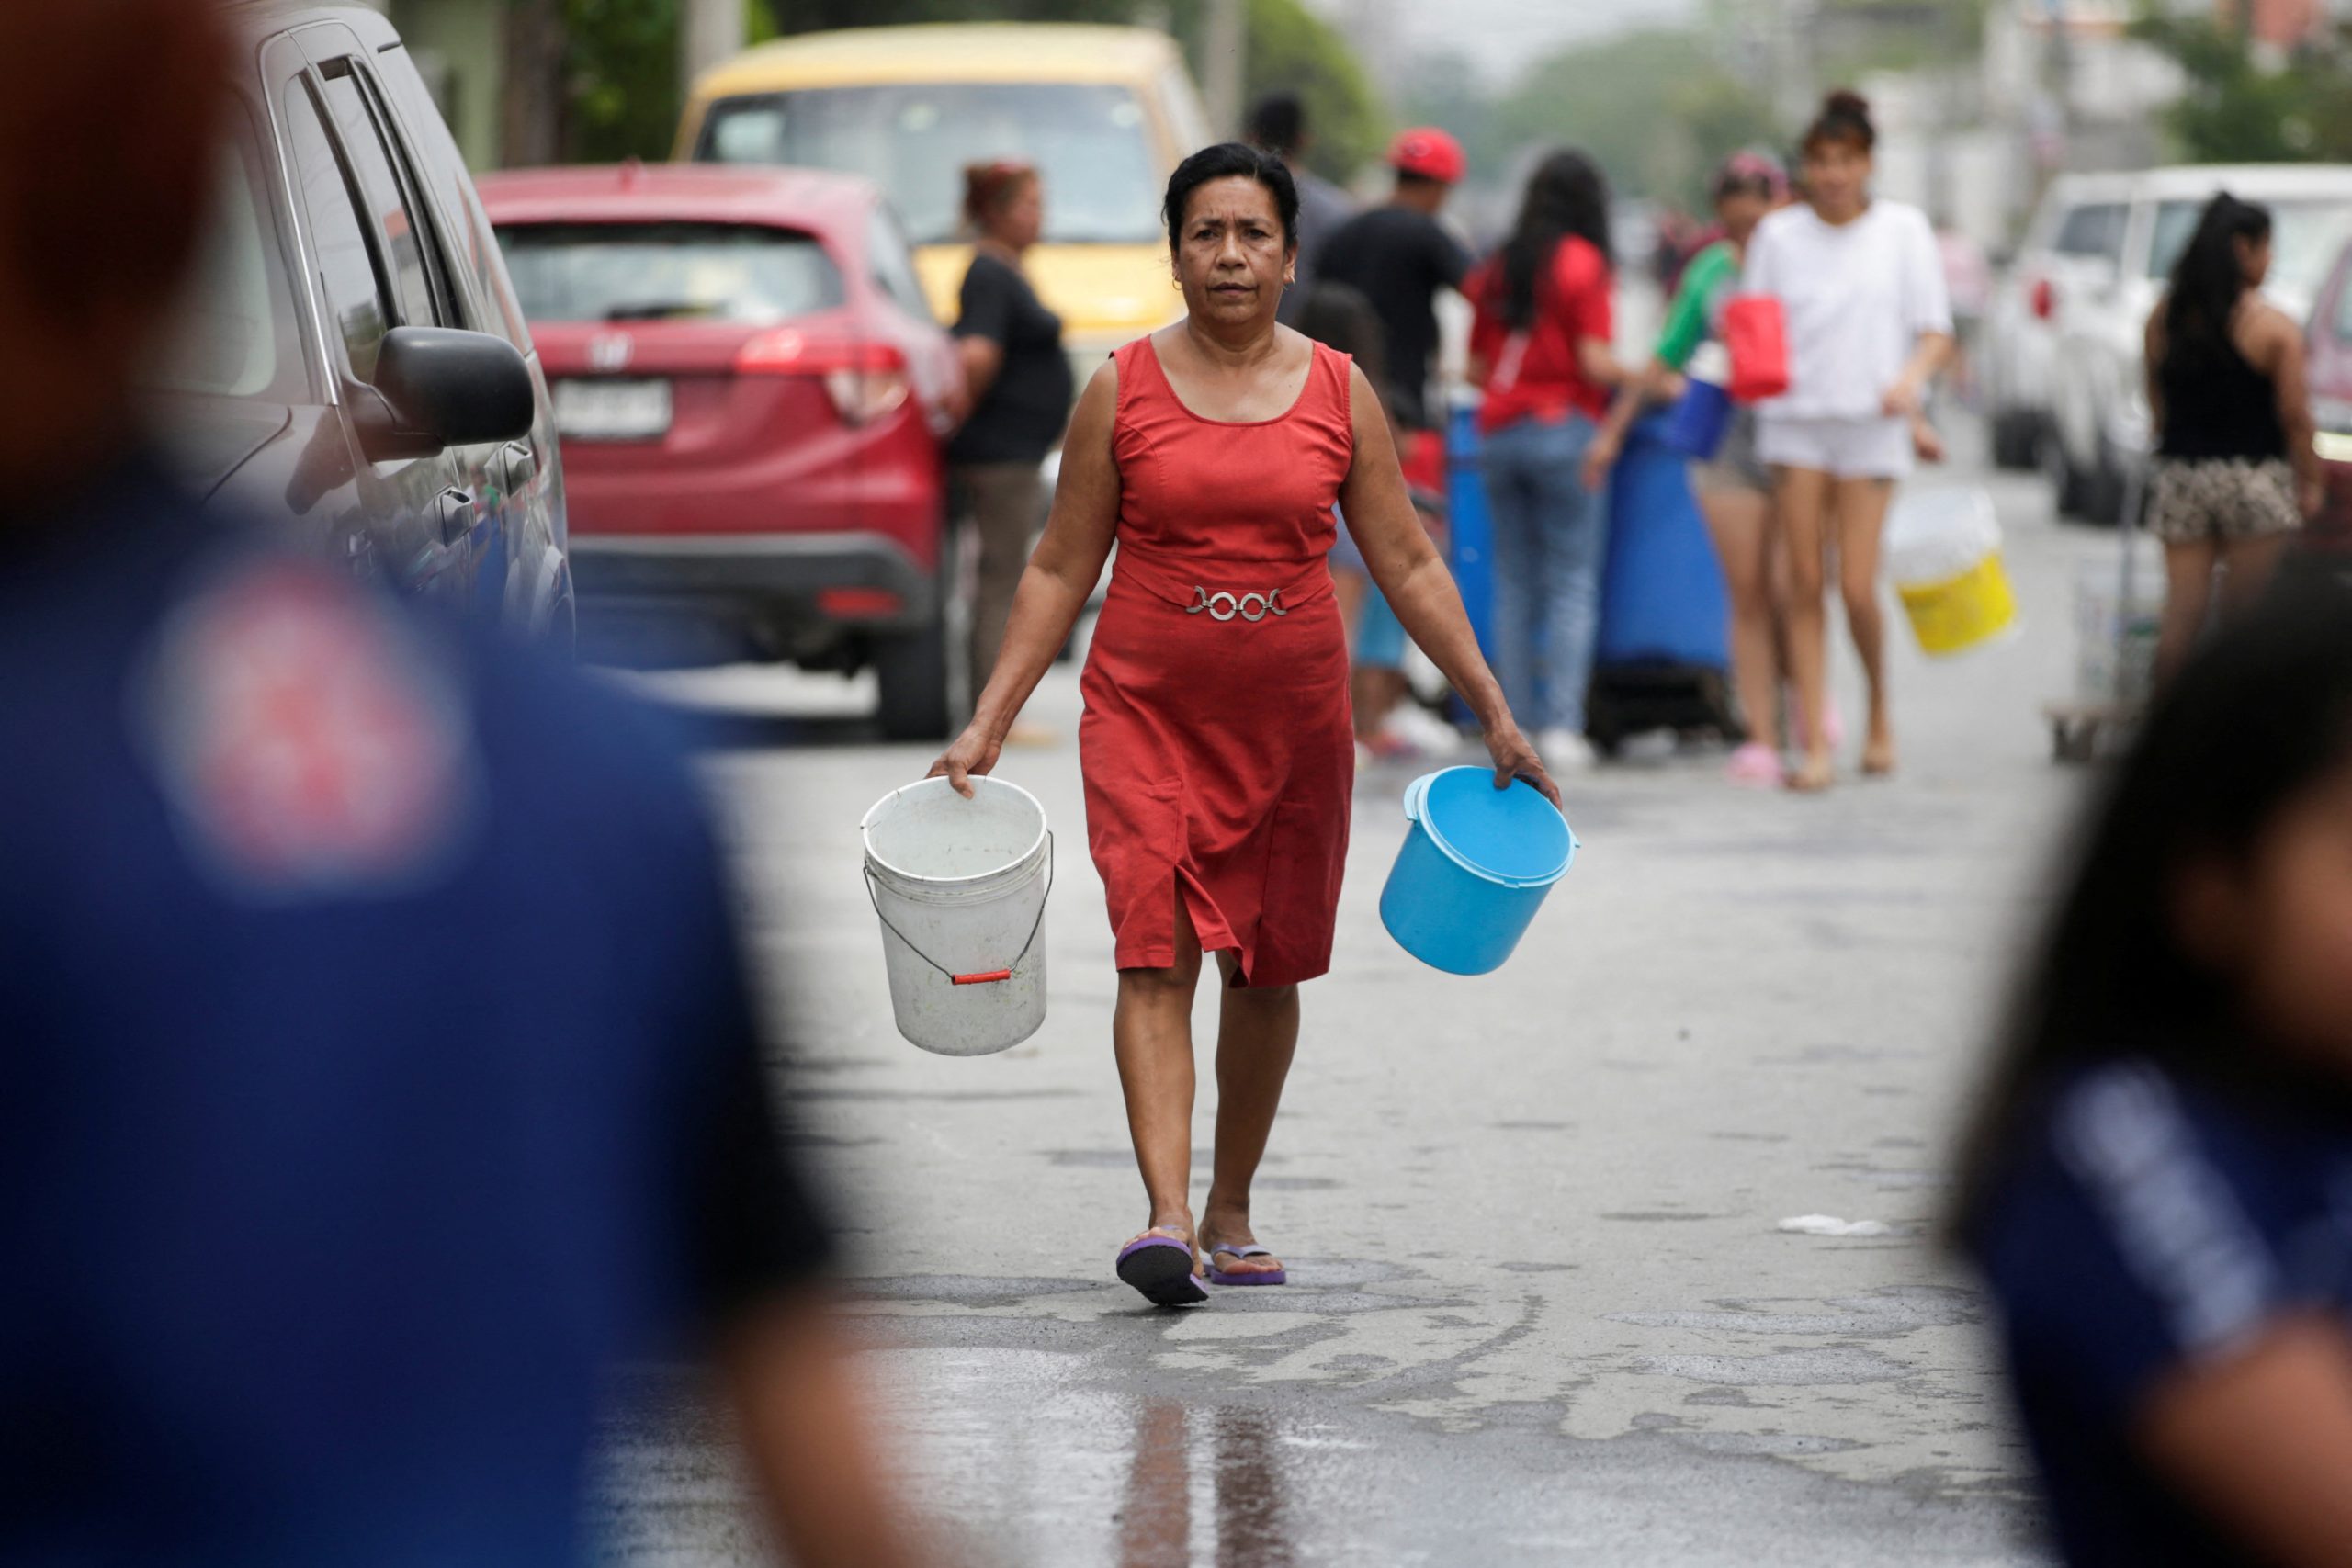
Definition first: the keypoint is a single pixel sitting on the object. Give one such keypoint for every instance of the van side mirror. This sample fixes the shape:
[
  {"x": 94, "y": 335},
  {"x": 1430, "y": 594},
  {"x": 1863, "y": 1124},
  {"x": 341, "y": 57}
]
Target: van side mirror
[{"x": 436, "y": 387}]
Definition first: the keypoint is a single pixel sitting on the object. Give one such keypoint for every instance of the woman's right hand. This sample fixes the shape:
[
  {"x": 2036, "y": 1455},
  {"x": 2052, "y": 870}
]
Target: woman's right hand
[
  {"x": 1598, "y": 458},
  {"x": 974, "y": 754}
]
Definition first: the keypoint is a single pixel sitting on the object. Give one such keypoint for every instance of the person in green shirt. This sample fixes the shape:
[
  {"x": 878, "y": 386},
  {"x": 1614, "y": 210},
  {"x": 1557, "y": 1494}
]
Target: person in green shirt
[{"x": 1735, "y": 488}]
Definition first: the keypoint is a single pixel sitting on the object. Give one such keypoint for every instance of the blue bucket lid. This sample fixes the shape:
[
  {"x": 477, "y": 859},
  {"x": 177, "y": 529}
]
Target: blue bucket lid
[{"x": 1513, "y": 836}]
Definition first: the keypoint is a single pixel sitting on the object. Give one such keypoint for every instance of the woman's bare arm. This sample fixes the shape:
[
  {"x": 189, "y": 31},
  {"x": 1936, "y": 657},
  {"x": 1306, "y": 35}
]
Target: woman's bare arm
[
  {"x": 982, "y": 358},
  {"x": 2282, "y": 356},
  {"x": 2263, "y": 1439},
  {"x": 1418, "y": 588},
  {"x": 1929, "y": 356},
  {"x": 1060, "y": 576}
]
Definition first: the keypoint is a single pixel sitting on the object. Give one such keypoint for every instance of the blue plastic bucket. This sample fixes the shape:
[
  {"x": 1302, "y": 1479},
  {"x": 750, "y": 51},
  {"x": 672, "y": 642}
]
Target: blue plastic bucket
[
  {"x": 1474, "y": 870},
  {"x": 1699, "y": 418}
]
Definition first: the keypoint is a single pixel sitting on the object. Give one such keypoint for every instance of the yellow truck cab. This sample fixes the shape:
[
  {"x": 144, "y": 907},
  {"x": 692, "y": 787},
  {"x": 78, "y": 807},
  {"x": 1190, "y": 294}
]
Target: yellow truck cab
[{"x": 1106, "y": 113}]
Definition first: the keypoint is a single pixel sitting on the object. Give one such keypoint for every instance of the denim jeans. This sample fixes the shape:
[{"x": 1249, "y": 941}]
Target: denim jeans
[{"x": 1549, "y": 531}]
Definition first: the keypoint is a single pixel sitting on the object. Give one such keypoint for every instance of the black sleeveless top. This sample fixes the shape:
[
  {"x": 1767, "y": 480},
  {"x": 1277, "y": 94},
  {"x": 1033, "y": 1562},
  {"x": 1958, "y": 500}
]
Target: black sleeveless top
[{"x": 2218, "y": 405}]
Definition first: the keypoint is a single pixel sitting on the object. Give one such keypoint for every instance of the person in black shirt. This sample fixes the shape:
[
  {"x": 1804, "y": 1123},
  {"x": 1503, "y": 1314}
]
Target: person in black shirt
[
  {"x": 1398, "y": 257},
  {"x": 1020, "y": 390},
  {"x": 1278, "y": 124}
]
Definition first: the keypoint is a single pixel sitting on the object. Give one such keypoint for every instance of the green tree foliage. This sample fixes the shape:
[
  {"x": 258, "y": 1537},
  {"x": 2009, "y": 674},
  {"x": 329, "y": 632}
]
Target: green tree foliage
[
  {"x": 2237, "y": 111},
  {"x": 622, "y": 62},
  {"x": 1291, "y": 47},
  {"x": 1653, "y": 107}
]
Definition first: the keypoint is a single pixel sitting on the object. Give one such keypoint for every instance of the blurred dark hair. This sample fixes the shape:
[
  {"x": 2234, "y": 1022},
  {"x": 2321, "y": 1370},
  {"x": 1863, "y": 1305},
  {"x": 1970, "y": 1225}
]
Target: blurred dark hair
[
  {"x": 2208, "y": 281},
  {"x": 2261, "y": 717},
  {"x": 1343, "y": 318},
  {"x": 1566, "y": 195},
  {"x": 1228, "y": 160},
  {"x": 1278, "y": 123},
  {"x": 1845, "y": 117},
  {"x": 989, "y": 187},
  {"x": 1750, "y": 173}
]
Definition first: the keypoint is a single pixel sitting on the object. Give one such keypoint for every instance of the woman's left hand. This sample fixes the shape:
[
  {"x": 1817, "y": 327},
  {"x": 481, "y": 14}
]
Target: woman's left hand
[
  {"x": 1902, "y": 400},
  {"x": 1515, "y": 758}
]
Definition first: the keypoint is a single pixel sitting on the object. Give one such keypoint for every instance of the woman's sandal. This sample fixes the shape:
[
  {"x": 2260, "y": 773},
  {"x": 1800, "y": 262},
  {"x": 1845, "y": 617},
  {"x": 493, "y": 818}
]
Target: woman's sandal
[
  {"x": 1241, "y": 1253},
  {"x": 1161, "y": 1266}
]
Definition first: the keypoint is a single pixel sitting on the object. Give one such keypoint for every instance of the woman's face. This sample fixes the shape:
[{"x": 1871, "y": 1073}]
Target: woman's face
[
  {"x": 2253, "y": 259},
  {"x": 1022, "y": 219},
  {"x": 1740, "y": 212},
  {"x": 2279, "y": 925},
  {"x": 1231, "y": 256},
  {"x": 1837, "y": 177}
]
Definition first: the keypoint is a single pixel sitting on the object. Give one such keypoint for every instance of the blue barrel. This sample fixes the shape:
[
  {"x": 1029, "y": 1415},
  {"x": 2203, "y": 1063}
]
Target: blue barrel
[
  {"x": 1474, "y": 870},
  {"x": 1662, "y": 595},
  {"x": 1470, "y": 529}
]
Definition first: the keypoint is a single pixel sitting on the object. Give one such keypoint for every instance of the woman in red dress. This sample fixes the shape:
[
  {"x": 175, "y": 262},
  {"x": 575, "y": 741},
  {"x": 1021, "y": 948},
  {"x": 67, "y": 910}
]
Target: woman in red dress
[{"x": 1218, "y": 755}]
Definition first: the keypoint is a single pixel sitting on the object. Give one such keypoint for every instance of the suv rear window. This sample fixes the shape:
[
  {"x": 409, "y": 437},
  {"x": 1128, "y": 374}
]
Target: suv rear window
[{"x": 656, "y": 272}]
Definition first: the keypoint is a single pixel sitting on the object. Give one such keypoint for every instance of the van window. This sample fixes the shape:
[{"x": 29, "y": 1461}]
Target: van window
[
  {"x": 2306, "y": 239},
  {"x": 235, "y": 335},
  {"x": 1087, "y": 141},
  {"x": 659, "y": 272},
  {"x": 347, "y": 264},
  {"x": 2094, "y": 232},
  {"x": 475, "y": 253}
]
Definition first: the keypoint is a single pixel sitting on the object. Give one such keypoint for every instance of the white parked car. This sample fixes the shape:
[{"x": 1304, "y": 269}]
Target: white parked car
[
  {"x": 2100, "y": 432},
  {"x": 2073, "y": 247}
]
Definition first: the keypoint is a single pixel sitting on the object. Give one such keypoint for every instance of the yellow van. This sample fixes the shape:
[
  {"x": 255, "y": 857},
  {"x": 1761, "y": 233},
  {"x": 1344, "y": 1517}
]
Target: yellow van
[{"x": 1106, "y": 113}]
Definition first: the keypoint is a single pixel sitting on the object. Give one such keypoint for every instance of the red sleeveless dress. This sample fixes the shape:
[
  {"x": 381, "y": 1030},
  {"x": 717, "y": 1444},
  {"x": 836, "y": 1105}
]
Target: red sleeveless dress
[{"x": 1217, "y": 748}]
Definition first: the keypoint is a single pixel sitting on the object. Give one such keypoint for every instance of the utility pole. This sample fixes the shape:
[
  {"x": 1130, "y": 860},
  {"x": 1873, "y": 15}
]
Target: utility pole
[
  {"x": 710, "y": 32},
  {"x": 1225, "y": 68}
]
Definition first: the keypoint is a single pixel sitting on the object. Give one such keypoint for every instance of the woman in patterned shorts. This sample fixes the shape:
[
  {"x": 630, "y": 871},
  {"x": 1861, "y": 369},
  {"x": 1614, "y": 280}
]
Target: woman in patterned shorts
[{"x": 2236, "y": 473}]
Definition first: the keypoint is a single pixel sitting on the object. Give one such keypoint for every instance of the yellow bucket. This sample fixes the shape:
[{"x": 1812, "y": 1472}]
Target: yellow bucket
[{"x": 1959, "y": 612}]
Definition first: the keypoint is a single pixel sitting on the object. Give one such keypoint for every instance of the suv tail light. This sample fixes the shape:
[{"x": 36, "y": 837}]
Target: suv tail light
[
  {"x": 865, "y": 380},
  {"x": 2043, "y": 298}
]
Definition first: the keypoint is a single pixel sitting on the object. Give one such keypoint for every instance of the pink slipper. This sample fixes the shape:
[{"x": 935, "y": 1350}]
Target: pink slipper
[{"x": 1755, "y": 766}]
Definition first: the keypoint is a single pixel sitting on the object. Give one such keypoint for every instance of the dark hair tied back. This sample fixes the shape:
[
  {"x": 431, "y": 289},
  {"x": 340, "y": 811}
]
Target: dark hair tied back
[
  {"x": 2209, "y": 280},
  {"x": 1229, "y": 160},
  {"x": 1845, "y": 117}
]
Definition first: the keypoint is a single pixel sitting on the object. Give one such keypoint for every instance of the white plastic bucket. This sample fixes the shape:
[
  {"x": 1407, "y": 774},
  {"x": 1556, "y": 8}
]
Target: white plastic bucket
[
  {"x": 1943, "y": 549},
  {"x": 960, "y": 887}
]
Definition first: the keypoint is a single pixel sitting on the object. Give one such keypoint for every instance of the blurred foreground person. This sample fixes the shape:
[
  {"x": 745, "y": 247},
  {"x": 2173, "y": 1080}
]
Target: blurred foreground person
[
  {"x": 380, "y": 1071},
  {"x": 2236, "y": 472},
  {"x": 2159, "y": 1185}
]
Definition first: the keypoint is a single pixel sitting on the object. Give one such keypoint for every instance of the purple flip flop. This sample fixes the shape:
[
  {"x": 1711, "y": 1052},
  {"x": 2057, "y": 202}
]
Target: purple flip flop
[
  {"x": 1248, "y": 1276},
  {"x": 1162, "y": 1268}
]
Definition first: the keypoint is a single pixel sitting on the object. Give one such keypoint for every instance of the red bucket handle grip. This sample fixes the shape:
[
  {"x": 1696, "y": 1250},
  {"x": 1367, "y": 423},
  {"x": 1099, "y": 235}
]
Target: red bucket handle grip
[{"x": 990, "y": 978}]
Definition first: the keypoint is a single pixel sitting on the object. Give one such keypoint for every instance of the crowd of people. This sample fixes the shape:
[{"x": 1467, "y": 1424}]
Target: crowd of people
[{"x": 312, "y": 1262}]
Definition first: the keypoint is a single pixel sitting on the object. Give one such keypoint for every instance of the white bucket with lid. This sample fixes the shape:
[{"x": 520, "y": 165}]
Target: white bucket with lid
[{"x": 960, "y": 887}]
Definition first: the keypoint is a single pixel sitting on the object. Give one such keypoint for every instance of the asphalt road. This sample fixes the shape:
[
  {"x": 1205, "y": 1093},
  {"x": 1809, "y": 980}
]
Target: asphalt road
[{"x": 1543, "y": 1308}]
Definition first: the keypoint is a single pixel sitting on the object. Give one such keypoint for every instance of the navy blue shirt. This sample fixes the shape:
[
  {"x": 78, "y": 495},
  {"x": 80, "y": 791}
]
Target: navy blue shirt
[
  {"x": 379, "y": 1066},
  {"x": 2149, "y": 1224}
]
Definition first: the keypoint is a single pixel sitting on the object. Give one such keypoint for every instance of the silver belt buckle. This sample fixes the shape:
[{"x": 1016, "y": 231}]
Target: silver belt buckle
[{"x": 1223, "y": 606}]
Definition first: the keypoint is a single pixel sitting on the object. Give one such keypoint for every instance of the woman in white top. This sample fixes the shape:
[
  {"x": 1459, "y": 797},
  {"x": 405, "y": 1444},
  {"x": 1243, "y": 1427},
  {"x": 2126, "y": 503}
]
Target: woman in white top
[{"x": 1863, "y": 286}]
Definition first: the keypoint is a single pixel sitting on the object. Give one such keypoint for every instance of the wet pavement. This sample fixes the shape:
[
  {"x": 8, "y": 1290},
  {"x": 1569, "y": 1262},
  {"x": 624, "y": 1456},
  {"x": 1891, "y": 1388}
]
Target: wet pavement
[{"x": 1543, "y": 1309}]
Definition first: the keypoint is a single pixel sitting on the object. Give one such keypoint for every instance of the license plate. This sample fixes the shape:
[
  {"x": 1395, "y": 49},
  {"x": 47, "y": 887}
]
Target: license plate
[{"x": 612, "y": 411}]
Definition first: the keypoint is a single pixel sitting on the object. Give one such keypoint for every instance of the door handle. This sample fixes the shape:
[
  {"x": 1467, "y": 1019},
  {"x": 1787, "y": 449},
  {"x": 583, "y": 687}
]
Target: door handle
[
  {"x": 522, "y": 466},
  {"x": 455, "y": 511}
]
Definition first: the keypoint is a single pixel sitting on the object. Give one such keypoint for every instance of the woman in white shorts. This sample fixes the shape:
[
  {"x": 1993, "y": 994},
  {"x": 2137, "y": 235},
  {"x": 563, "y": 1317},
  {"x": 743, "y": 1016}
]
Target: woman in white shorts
[{"x": 1862, "y": 284}]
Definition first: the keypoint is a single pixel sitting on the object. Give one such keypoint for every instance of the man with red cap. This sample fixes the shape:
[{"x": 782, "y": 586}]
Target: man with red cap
[{"x": 1397, "y": 257}]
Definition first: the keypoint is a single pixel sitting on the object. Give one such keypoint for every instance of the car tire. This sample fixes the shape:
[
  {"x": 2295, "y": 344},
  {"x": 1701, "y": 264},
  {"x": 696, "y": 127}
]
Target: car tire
[
  {"x": 2017, "y": 438},
  {"x": 2068, "y": 488},
  {"x": 925, "y": 686}
]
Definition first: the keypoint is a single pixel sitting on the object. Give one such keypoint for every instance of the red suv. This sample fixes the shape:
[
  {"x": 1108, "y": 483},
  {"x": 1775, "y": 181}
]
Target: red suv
[{"x": 749, "y": 391}]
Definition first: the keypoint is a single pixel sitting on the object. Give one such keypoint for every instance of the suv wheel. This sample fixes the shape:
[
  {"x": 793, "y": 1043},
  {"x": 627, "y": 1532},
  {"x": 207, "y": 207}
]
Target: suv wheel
[{"x": 923, "y": 675}]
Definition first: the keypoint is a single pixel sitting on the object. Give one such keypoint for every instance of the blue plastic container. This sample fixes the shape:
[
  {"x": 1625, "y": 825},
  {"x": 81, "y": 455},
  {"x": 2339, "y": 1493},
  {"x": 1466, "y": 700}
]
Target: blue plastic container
[
  {"x": 1474, "y": 870},
  {"x": 1699, "y": 420},
  {"x": 1469, "y": 527},
  {"x": 1662, "y": 596}
]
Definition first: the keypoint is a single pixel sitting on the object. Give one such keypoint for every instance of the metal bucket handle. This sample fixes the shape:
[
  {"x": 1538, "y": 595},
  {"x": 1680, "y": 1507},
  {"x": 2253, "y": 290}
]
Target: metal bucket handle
[{"x": 980, "y": 977}]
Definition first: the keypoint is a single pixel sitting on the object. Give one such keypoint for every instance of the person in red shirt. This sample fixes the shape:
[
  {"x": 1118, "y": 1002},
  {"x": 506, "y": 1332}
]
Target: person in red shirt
[{"x": 1540, "y": 347}]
